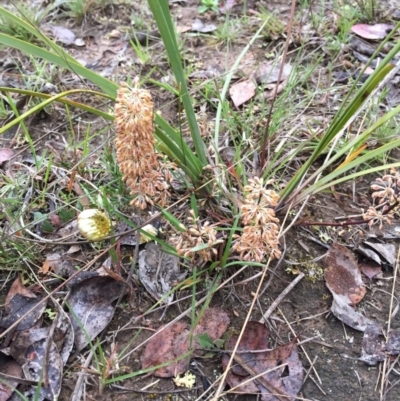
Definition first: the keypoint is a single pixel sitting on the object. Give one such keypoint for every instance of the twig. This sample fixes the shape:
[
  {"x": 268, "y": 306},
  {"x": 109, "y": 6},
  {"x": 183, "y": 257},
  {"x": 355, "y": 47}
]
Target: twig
[
  {"x": 282, "y": 295},
  {"x": 280, "y": 395},
  {"x": 15, "y": 379},
  {"x": 77, "y": 393},
  {"x": 309, "y": 370},
  {"x": 396, "y": 268},
  {"x": 231, "y": 359},
  {"x": 136, "y": 390},
  {"x": 303, "y": 349}
]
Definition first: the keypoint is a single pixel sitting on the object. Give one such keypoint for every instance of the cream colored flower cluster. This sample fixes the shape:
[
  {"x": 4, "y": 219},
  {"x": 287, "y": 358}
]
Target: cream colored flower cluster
[
  {"x": 259, "y": 238},
  {"x": 387, "y": 188},
  {"x": 387, "y": 195},
  {"x": 134, "y": 145},
  {"x": 200, "y": 237}
]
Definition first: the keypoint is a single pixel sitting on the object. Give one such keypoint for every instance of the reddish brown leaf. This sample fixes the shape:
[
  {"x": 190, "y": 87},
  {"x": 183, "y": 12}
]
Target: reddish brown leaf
[
  {"x": 172, "y": 342},
  {"x": 11, "y": 368},
  {"x": 167, "y": 345},
  {"x": 255, "y": 338},
  {"x": 55, "y": 220},
  {"x": 276, "y": 362},
  {"x": 343, "y": 276},
  {"x": 214, "y": 322},
  {"x": 17, "y": 288}
]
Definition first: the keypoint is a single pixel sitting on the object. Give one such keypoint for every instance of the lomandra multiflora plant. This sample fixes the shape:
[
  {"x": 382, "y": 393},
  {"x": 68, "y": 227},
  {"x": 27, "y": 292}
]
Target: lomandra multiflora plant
[
  {"x": 149, "y": 180},
  {"x": 144, "y": 174}
]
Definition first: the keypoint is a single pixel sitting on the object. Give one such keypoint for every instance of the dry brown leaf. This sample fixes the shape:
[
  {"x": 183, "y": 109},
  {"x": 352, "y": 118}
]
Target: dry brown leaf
[
  {"x": 342, "y": 275},
  {"x": 241, "y": 92},
  {"x": 172, "y": 342},
  {"x": 343, "y": 278},
  {"x": 276, "y": 363}
]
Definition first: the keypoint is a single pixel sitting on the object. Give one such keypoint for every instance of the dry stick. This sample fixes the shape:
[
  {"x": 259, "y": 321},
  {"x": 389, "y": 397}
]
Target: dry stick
[
  {"x": 19, "y": 380},
  {"x": 209, "y": 389},
  {"x": 280, "y": 395},
  {"x": 305, "y": 352},
  {"x": 136, "y": 390},
  {"x": 385, "y": 376},
  {"x": 77, "y": 393},
  {"x": 388, "y": 388},
  {"x": 275, "y": 93},
  {"x": 309, "y": 370},
  {"x": 46, "y": 359},
  {"x": 282, "y": 295},
  {"x": 360, "y": 383},
  {"x": 221, "y": 385},
  {"x": 312, "y": 379},
  {"x": 393, "y": 288}
]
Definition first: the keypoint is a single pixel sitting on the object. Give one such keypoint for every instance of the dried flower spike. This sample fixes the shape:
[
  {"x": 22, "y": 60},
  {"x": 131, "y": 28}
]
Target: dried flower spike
[
  {"x": 134, "y": 145},
  {"x": 259, "y": 237},
  {"x": 93, "y": 224},
  {"x": 201, "y": 237}
]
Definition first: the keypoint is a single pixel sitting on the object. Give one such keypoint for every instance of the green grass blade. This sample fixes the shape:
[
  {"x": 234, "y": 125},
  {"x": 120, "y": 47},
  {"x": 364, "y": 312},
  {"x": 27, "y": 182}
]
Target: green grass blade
[
  {"x": 109, "y": 87},
  {"x": 68, "y": 102},
  {"x": 180, "y": 151},
  {"x": 342, "y": 118},
  {"x": 40, "y": 106},
  {"x": 160, "y": 10},
  {"x": 32, "y": 29},
  {"x": 329, "y": 181},
  {"x": 356, "y": 143}
]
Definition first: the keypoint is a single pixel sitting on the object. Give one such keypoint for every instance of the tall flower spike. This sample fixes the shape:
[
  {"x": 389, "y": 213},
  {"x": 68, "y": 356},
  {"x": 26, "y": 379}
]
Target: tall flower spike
[
  {"x": 134, "y": 145},
  {"x": 259, "y": 238}
]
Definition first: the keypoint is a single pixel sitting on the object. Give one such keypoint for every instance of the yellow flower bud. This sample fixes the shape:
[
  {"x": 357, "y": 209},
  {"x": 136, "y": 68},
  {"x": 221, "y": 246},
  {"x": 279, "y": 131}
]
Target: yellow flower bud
[{"x": 93, "y": 224}]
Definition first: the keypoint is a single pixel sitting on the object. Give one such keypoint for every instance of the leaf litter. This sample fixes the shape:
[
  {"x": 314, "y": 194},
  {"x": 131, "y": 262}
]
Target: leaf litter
[
  {"x": 265, "y": 75},
  {"x": 344, "y": 281},
  {"x": 374, "y": 32},
  {"x": 393, "y": 341},
  {"x": 19, "y": 301},
  {"x": 171, "y": 342},
  {"x": 283, "y": 372},
  {"x": 91, "y": 307},
  {"x": 159, "y": 272}
]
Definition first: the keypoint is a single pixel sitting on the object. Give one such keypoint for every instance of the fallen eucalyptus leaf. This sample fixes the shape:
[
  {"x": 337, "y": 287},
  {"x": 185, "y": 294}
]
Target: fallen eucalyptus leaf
[{"x": 159, "y": 272}]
